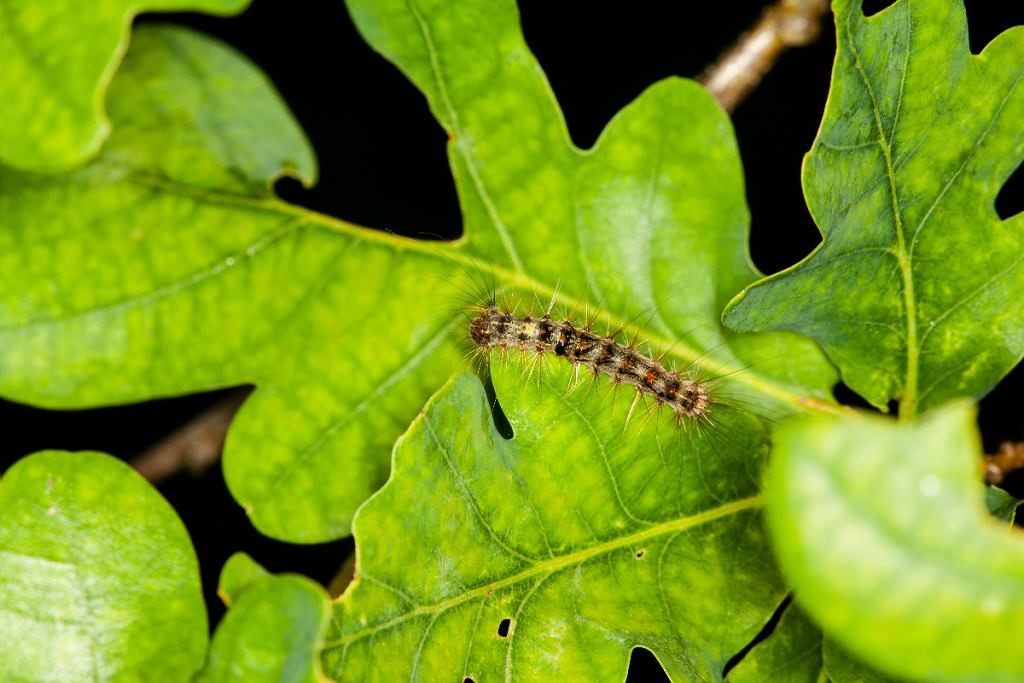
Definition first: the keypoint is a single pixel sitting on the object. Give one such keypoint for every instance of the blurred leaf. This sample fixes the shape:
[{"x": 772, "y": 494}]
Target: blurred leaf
[
  {"x": 882, "y": 530},
  {"x": 550, "y": 556},
  {"x": 274, "y": 630},
  {"x": 1001, "y": 504},
  {"x": 791, "y": 655},
  {"x": 917, "y": 140},
  {"x": 57, "y": 59},
  {"x": 98, "y": 580},
  {"x": 167, "y": 267},
  {"x": 239, "y": 572}
]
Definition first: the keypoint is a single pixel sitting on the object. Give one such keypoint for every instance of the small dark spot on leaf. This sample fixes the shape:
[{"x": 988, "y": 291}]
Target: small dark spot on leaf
[
  {"x": 640, "y": 553},
  {"x": 468, "y": 679},
  {"x": 504, "y": 627}
]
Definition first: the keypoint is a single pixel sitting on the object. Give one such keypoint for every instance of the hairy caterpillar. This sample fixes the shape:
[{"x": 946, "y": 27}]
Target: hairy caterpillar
[
  {"x": 494, "y": 312},
  {"x": 494, "y": 328}
]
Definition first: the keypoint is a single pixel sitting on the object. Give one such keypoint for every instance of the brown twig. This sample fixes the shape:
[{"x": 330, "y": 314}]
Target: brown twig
[
  {"x": 1009, "y": 458},
  {"x": 785, "y": 24},
  {"x": 195, "y": 446}
]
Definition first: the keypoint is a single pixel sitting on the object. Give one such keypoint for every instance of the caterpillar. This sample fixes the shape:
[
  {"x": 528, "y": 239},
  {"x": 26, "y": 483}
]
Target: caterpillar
[{"x": 494, "y": 328}]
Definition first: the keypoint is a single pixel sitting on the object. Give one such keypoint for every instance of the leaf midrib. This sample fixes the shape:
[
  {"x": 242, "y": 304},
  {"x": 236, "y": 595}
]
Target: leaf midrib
[
  {"x": 301, "y": 216},
  {"x": 551, "y": 565},
  {"x": 908, "y": 398},
  {"x": 913, "y": 394}
]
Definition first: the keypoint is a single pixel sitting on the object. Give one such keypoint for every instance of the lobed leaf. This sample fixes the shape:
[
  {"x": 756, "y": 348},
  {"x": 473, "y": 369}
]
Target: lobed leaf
[
  {"x": 553, "y": 554},
  {"x": 98, "y": 579},
  {"x": 918, "y": 137},
  {"x": 58, "y": 58},
  {"x": 651, "y": 224},
  {"x": 882, "y": 530},
  {"x": 167, "y": 267}
]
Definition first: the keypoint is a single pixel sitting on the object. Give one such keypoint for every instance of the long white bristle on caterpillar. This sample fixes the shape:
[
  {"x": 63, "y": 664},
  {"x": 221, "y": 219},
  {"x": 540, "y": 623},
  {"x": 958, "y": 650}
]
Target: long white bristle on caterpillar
[{"x": 494, "y": 328}]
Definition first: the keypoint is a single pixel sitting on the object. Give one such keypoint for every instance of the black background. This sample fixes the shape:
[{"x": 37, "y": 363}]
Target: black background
[{"x": 383, "y": 164}]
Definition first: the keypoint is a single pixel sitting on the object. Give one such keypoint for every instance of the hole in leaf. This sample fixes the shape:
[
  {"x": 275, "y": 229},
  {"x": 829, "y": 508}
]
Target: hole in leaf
[
  {"x": 873, "y": 7},
  {"x": 504, "y": 627},
  {"x": 640, "y": 553},
  {"x": 848, "y": 397},
  {"x": 645, "y": 667},
  {"x": 501, "y": 422},
  {"x": 762, "y": 635},
  {"x": 987, "y": 19},
  {"x": 893, "y": 408},
  {"x": 1010, "y": 200},
  {"x": 468, "y": 679}
]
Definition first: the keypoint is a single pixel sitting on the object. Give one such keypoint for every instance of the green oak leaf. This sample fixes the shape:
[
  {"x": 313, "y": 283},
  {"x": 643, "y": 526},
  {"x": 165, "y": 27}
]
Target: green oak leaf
[
  {"x": 882, "y": 530},
  {"x": 58, "y": 57},
  {"x": 98, "y": 579},
  {"x": 791, "y": 655},
  {"x": 166, "y": 266},
  {"x": 553, "y": 554},
  {"x": 918, "y": 137},
  {"x": 273, "y": 631},
  {"x": 651, "y": 224}
]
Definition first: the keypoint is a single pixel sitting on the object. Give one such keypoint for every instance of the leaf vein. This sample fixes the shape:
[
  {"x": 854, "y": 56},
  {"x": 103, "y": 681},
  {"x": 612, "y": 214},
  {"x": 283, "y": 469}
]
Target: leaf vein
[
  {"x": 382, "y": 388},
  {"x": 970, "y": 295},
  {"x": 460, "y": 139},
  {"x": 545, "y": 566},
  {"x": 515, "y": 622},
  {"x": 189, "y": 281},
  {"x": 909, "y": 395},
  {"x": 967, "y": 159},
  {"x": 467, "y": 493}
]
